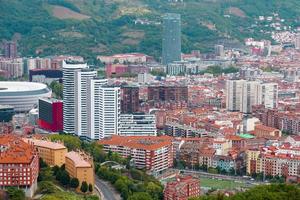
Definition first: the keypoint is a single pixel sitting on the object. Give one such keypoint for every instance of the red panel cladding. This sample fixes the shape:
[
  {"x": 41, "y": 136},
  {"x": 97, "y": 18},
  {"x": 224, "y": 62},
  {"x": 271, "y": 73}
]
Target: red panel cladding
[{"x": 57, "y": 116}]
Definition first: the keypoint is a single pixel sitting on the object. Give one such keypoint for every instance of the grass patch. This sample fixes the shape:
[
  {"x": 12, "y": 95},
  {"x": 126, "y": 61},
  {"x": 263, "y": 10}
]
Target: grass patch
[{"x": 220, "y": 184}]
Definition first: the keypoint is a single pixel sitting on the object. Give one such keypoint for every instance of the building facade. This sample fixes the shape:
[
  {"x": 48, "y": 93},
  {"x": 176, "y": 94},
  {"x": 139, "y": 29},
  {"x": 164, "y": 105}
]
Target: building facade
[
  {"x": 81, "y": 101},
  {"x": 129, "y": 99},
  {"x": 171, "y": 41},
  {"x": 154, "y": 154},
  {"x": 80, "y": 166},
  {"x": 95, "y": 108},
  {"x": 10, "y": 50},
  {"x": 137, "y": 125},
  {"x": 168, "y": 93},
  {"x": 52, "y": 153},
  {"x": 50, "y": 114},
  {"x": 19, "y": 164},
  {"x": 182, "y": 188},
  {"x": 69, "y": 72}
]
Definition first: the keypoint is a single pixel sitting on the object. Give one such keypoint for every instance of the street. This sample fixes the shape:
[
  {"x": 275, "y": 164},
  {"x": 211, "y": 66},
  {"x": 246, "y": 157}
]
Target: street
[{"x": 107, "y": 191}]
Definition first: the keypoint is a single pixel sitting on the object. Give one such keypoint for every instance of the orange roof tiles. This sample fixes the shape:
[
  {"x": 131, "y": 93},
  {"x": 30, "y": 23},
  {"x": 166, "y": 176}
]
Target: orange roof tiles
[
  {"x": 13, "y": 150},
  {"x": 150, "y": 143},
  {"x": 265, "y": 128}
]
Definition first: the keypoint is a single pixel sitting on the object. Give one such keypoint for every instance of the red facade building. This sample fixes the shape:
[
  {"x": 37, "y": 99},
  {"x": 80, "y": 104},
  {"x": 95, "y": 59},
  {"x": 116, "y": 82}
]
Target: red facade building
[
  {"x": 115, "y": 70},
  {"x": 51, "y": 114},
  {"x": 19, "y": 164},
  {"x": 182, "y": 189}
]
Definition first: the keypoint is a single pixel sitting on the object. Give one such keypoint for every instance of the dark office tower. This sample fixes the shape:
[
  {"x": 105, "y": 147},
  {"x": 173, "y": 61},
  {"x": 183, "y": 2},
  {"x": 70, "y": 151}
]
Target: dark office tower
[
  {"x": 129, "y": 99},
  {"x": 10, "y": 49},
  {"x": 171, "y": 41}
]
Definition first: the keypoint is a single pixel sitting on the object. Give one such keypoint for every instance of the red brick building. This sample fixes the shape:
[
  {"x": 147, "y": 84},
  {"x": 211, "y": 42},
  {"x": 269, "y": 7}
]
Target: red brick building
[
  {"x": 19, "y": 164},
  {"x": 182, "y": 188},
  {"x": 130, "y": 99},
  {"x": 168, "y": 93}
]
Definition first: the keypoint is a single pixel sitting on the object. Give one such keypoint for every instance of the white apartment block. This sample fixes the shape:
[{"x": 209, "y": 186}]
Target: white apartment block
[
  {"x": 269, "y": 95},
  {"x": 110, "y": 110},
  {"x": 250, "y": 96},
  {"x": 69, "y": 71},
  {"x": 234, "y": 90},
  {"x": 137, "y": 125},
  {"x": 241, "y": 95},
  {"x": 81, "y": 100},
  {"x": 95, "y": 131}
]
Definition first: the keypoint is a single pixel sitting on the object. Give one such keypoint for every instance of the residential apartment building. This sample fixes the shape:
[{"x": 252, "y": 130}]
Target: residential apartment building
[
  {"x": 168, "y": 93},
  {"x": 69, "y": 73},
  {"x": 110, "y": 110},
  {"x": 79, "y": 165},
  {"x": 234, "y": 91},
  {"x": 183, "y": 188},
  {"x": 137, "y": 124},
  {"x": 95, "y": 108},
  {"x": 129, "y": 99},
  {"x": 282, "y": 161},
  {"x": 242, "y": 95},
  {"x": 81, "y": 100},
  {"x": 19, "y": 164},
  {"x": 10, "y": 49},
  {"x": 52, "y": 153},
  {"x": 154, "y": 154},
  {"x": 12, "y": 68}
]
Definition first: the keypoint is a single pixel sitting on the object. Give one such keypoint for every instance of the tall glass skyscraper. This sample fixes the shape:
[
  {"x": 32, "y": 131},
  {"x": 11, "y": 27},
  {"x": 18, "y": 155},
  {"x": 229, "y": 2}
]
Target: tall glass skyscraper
[{"x": 171, "y": 41}]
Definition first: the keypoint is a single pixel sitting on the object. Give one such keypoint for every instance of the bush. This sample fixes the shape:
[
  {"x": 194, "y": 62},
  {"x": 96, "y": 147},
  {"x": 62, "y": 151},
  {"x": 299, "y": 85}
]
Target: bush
[
  {"x": 84, "y": 187},
  {"x": 91, "y": 188},
  {"x": 74, "y": 183},
  {"x": 15, "y": 193}
]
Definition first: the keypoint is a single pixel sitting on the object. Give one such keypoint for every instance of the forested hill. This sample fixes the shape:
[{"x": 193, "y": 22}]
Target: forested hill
[{"x": 93, "y": 27}]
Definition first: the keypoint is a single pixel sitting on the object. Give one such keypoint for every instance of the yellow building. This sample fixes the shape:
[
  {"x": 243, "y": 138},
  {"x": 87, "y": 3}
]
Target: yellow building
[
  {"x": 80, "y": 166},
  {"x": 53, "y": 153},
  {"x": 253, "y": 161}
]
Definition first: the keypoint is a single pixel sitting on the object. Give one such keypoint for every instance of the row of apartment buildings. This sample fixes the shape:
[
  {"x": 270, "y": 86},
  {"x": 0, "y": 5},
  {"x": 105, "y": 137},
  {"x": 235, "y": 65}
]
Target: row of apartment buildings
[
  {"x": 287, "y": 121},
  {"x": 19, "y": 162}
]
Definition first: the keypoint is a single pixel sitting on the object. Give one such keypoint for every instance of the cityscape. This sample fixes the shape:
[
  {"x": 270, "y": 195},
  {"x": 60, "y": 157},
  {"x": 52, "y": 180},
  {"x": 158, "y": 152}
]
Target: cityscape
[{"x": 168, "y": 121}]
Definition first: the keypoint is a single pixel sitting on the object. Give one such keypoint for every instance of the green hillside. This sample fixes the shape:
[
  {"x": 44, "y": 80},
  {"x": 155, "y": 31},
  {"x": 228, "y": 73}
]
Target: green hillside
[{"x": 93, "y": 27}]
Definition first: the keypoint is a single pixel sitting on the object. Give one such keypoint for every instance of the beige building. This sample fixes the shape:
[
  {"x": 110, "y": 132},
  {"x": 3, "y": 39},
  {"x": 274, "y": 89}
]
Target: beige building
[
  {"x": 53, "y": 153},
  {"x": 80, "y": 166}
]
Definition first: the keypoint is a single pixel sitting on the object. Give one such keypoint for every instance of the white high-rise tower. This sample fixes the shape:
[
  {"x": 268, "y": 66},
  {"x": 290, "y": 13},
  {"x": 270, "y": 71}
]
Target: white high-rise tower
[
  {"x": 94, "y": 104},
  {"x": 81, "y": 100},
  {"x": 69, "y": 71},
  {"x": 109, "y": 109}
]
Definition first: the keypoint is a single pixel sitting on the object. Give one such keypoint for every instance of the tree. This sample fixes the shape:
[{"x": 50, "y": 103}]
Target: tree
[
  {"x": 84, "y": 187},
  {"x": 156, "y": 191},
  {"x": 74, "y": 183},
  {"x": 46, "y": 187},
  {"x": 64, "y": 178},
  {"x": 15, "y": 193},
  {"x": 42, "y": 163},
  {"x": 140, "y": 196},
  {"x": 91, "y": 188},
  {"x": 55, "y": 169}
]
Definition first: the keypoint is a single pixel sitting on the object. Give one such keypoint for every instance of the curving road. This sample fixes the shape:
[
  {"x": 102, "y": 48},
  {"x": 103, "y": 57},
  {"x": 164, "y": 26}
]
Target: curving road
[{"x": 107, "y": 191}]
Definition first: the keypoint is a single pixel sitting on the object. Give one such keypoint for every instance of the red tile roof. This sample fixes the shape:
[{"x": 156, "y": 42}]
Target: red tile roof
[
  {"x": 14, "y": 150},
  {"x": 150, "y": 143}
]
